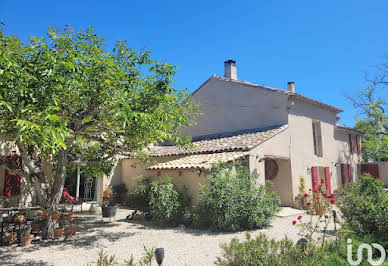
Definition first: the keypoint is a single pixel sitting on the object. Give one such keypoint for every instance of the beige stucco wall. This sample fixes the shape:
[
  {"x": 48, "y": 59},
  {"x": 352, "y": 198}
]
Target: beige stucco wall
[
  {"x": 131, "y": 168},
  {"x": 277, "y": 148},
  {"x": 383, "y": 172},
  {"x": 335, "y": 146},
  {"x": 229, "y": 106}
]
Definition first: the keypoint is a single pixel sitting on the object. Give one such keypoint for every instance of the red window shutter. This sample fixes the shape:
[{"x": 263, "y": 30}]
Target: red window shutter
[
  {"x": 327, "y": 177},
  {"x": 351, "y": 143},
  {"x": 343, "y": 175},
  {"x": 11, "y": 184},
  {"x": 314, "y": 174},
  {"x": 358, "y": 141},
  {"x": 350, "y": 173}
]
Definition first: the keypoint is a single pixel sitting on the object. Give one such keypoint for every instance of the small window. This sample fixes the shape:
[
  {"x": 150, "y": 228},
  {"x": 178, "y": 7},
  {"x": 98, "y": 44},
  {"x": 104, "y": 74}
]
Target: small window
[{"x": 317, "y": 138}]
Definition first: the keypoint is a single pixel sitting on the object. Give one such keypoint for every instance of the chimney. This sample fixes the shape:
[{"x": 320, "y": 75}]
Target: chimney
[
  {"x": 291, "y": 86},
  {"x": 230, "y": 70}
]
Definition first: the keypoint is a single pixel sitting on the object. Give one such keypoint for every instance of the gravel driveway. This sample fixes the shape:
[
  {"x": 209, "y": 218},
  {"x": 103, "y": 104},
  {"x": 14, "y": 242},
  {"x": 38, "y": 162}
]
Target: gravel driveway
[{"x": 122, "y": 238}]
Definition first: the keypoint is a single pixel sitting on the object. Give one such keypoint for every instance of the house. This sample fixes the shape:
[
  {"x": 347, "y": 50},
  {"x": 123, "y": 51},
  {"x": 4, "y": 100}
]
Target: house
[{"x": 280, "y": 134}]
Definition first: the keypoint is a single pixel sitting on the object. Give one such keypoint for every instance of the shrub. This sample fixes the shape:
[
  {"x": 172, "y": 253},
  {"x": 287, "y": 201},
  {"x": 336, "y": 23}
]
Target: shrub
[
  {"x": 140, "y": 193},
  {"x": 234, "y": 201},
  {"x": 265, "y": 251},
  {"x": 165, "y": 201},
  {"x": 364, "y": 206},
  {"x": 120, "y": 193}
]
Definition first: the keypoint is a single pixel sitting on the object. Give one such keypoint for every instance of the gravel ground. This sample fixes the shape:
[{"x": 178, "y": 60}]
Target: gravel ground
[{"x": 122, "y": 238}]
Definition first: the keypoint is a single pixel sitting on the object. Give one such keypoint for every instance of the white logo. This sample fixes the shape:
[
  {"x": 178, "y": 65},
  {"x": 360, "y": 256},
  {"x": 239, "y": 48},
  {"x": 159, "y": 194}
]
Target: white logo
[{"x": 359, "y": 253}]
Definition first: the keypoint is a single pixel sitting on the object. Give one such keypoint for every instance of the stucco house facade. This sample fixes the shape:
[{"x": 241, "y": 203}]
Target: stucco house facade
[{"x": 279, "y": 134}]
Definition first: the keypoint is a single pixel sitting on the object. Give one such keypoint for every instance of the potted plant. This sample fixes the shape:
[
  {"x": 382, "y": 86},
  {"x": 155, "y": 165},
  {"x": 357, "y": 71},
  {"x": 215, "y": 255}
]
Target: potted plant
[
  {"x": 36, "y": 224},
  {"x": 26, "y": 237},
  {"x": 107, "y": 194},
  {"x": 68, "y": 216},
  {"x": 58, "y": 232},
  {"x": 10, "y": 237},
  {"x": 44, "y": 213},
  {"x": 10, "y": 218},
  {"x": 19, "y": 218},
  {"x": 109, "y": 210},
  {"x": 55, "y": 215}
]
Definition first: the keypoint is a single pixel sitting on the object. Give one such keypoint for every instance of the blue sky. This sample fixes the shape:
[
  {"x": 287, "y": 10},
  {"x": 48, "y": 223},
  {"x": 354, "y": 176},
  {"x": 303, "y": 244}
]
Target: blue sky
[{"x": 323, "y": 46}]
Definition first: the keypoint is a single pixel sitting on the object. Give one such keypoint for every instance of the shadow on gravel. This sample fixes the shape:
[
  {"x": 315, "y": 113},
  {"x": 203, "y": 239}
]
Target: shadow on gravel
[
  {"x": 144, "y": 225},
  {"x": 8, "y": 259}
]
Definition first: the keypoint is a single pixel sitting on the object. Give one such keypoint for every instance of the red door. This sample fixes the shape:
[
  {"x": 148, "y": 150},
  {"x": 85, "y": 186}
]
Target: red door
[{"x": 372, "y": 169}]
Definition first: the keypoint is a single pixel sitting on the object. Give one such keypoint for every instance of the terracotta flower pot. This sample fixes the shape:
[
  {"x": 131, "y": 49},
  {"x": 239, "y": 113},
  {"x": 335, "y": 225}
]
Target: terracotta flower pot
[
  {"x": 318, "y": 210},
  {"x": 55, "y": 216},
  {"x": 58, "y": 232},
  {"x": 26, "y": 240},
  {"x": 44, "y": 213},
  {"x": 35, "y": 227},
  {"x": 19, "y": 219},
  {"x": 69, "y": 216},
  {"x": 10, "y": 238}
]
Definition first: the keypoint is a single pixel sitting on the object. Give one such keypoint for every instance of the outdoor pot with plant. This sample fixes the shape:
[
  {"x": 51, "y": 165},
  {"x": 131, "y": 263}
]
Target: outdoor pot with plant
[{"x": 67, "y": 97}]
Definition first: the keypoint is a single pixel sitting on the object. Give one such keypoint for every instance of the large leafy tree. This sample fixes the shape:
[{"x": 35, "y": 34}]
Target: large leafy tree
[
  {"x": 64, "y": 97},
  {"x": 374, "y": 122}
]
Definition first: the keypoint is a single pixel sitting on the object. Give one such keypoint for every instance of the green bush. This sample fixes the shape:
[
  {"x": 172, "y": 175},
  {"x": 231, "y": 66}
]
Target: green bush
[
  {"x": 265, "y": 251},
  {"x": 120, "y": 193},
  {"x": 234, "y": 201},
  {"x": 364, "y": 206},
  {"x": 140, "y": 193},
  {"x": 166, "y": 203}
]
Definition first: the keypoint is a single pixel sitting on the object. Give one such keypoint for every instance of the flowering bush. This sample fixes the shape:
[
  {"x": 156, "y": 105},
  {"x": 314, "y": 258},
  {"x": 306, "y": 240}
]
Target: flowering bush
[{"x": 319, "y": 202}]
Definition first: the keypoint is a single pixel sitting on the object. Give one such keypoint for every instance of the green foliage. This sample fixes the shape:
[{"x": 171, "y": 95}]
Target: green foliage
[
  {"x": 140, "y": 194},
  {"x": 120, "y": 193},
  {"x": 374, "y": 126},
  {"x": 364, "y": 206},
  {"x": 105, "y": 260},
  {"x": 234, "y": 201},
  {"x": 67, "y": 97},
  {"x": 265, "y": 251},
  {"x": 164, "y": 201}
]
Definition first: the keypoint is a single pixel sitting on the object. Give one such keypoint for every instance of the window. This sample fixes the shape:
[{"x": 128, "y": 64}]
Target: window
[
  {"x": 321, "y": 177},
  {"x": 317, "y": 138},
  {"x": 346, "y": 173}
]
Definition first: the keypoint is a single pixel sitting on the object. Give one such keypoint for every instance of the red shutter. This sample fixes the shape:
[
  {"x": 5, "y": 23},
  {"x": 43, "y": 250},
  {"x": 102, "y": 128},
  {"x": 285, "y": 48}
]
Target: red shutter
[
  {"x": 358, "y": 141},
  {"x": 314, "y": 174},
  {"x": 327, "y": 177},
  {"x": 343, "y": 175},
  {"x": 350, "y": 173},
  {"x": 351, "y": 143},
  {"x": 11, "y": 184}
]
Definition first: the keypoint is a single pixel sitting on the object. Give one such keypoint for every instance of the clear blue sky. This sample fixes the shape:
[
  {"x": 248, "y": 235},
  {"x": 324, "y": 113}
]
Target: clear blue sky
[{"x": 323, "y": 46}]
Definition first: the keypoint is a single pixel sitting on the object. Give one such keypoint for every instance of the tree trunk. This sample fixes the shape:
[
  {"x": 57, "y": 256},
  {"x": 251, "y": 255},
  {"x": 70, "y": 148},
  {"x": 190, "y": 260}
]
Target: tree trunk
[{"x": 55, "y": 195}]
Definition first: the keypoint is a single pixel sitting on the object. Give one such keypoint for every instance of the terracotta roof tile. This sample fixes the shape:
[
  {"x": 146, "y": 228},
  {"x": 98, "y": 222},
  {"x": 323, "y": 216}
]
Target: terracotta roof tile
[
  {"x": 203, "y": 161},
  {"x": 231, "y": 141}
]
